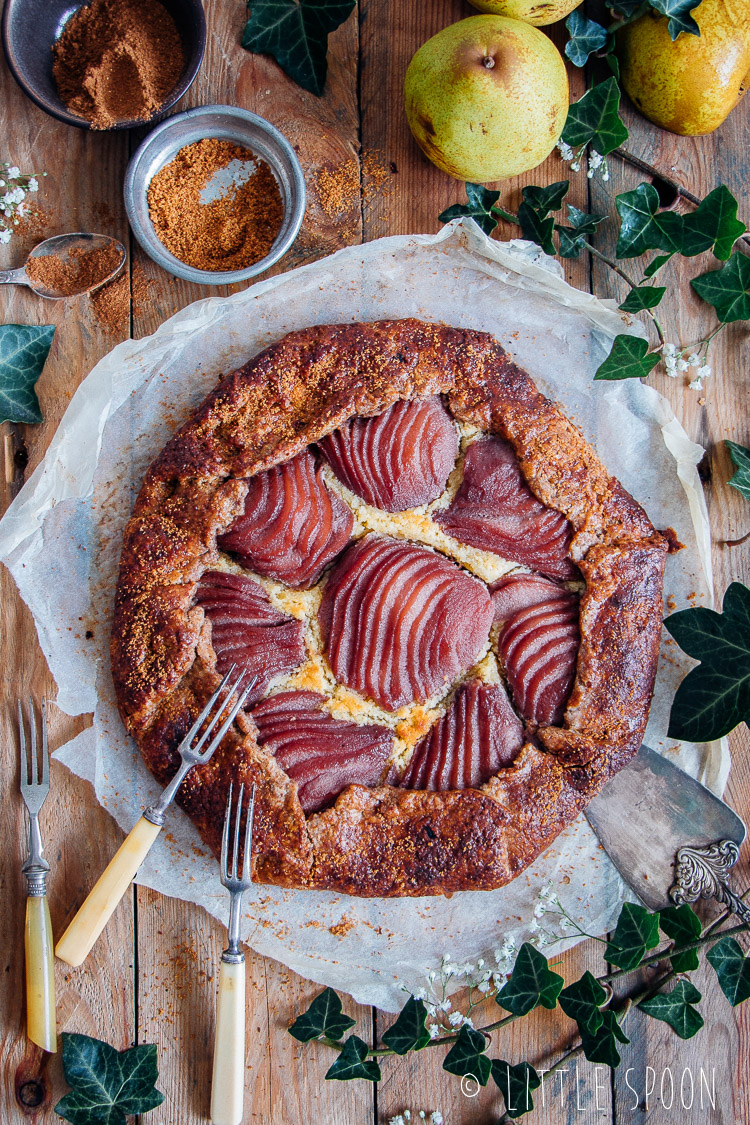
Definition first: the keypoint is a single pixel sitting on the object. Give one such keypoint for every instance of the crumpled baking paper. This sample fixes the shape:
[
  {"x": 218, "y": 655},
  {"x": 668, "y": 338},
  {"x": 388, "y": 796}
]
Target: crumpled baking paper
[{"x": 61, "y": 540}]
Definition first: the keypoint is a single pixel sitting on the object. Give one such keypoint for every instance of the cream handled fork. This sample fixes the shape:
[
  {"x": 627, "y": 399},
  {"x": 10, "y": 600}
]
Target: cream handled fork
[
  {"x": 40, "y": 971},
  {"x": 77, "y": 941},
  {"x": 228, "y": 1084}
]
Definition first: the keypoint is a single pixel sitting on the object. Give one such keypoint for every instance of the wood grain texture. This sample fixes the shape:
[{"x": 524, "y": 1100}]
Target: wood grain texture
[{"x": 152, "y": 976}]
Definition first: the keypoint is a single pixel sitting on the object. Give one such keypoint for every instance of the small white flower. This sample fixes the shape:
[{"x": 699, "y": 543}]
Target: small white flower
[
  {"x": 534, "y": 926},
  {"x": 33, "y": 184},
  {"x": 468, "y": 969},
  {"x": 566, "y": 152},
  {"x": 407, "y": 1115},
  {"x": 605, "y": 175},
  {"x": 436, "y": 1118},
  {"x": 480, "y": 963},
  {"x": 670, "y": 349},
  {"x": 575, "y": 166},
  {"x": 13, "y": 172},
  {"x": 398, "y": 1120},
  {"x": 444, "y": 1005},
  {"x": 696, "y": 384},
  {"x": 5, "y": 236},
  {"x": 484, "y": 985},
  {"x": 434, "y": 1030},
  {"x": 704, "y": 372},
  {"x": 420, "y": 994},
  {"x": 468, "y": 1021},
  {"x": 17, "y": 195},
  {"x": 682, "y": 365},
  {"x": 670, "y": 364},
  {"x": 540, "y": 909},
  {"x": 431, "y": 976},
  {"x": 694, "y": 360}
]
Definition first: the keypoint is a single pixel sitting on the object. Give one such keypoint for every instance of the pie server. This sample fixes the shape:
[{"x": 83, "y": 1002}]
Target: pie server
[{"x": 670, "y": 838}]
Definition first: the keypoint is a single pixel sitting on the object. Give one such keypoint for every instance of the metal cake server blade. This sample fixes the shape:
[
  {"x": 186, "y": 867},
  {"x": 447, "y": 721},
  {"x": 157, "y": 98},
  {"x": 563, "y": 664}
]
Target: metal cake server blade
[{"x": 670, "y": 838}]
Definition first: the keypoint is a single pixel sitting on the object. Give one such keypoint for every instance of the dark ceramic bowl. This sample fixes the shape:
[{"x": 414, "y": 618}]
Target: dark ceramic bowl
[{"x": 30, "y": 27}]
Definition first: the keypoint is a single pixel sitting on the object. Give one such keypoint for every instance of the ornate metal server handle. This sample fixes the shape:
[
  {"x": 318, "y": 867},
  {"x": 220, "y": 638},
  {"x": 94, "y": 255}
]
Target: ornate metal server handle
[{"x": 703, "y": 872}]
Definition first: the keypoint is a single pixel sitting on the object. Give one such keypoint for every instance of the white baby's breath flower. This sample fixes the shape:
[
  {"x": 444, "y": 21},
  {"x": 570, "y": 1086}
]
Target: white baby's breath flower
[
  {"x": 682, "y": 365},
  {"x": 5, "y": 236},
  {"x": 13, "y": 172},
  {"x": 407, "y": 1115},
  {"x": 480, "y": 963},
  {"x": 33, "y": 184},
  {"x": 566, "y": 152},
  {"x": 431, "y": 1009},
  {"x": 704, "y": 372},
  {"x": 540, "y": 909},
  {"x": 484, "y": 985},
  {"x": 534, "y": 926},
  {"x": 670, "y": 349},
  {"x": 468, "y": 969},
  {"x": 397, "y": 1120},
  {"x": 455, "y": 1019},
  {"x": 420, "y": 994},
  {"x": 468, "y": 1022},
  {"x": 434, "y": 1029},
  {"x": 694, "y": 360},
  {"x": 444, "y": 1005},
  {"x": 696, "y": 384},
  {"x": 436, "y": 1118},
  {"x": 431, "y": 976}
]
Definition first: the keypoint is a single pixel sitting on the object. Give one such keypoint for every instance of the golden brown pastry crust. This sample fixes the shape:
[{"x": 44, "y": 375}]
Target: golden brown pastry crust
[{"x": 383, "y": 841}]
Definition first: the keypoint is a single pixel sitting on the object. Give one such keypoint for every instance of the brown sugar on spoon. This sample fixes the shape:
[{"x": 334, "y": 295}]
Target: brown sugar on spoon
[
  {"x": 80, "y": 271},
  {"x": 230, "y": 232},
  {"x": 118, "y": 60}
]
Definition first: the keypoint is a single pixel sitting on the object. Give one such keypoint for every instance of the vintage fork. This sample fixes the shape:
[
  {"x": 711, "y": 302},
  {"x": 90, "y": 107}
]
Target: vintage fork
[
  {"x": 228, "y": 1084},
  {"x": 40, "y": 971},
  {"x": 77, "y": 941}
]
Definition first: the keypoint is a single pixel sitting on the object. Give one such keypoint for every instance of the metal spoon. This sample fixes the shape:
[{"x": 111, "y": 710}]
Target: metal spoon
[{"x": 62, "y": 246}]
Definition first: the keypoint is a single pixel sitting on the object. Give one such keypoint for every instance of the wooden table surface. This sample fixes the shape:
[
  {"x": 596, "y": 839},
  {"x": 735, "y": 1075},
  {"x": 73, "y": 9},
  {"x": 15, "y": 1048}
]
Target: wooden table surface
[{"x": 151, "y": 978}]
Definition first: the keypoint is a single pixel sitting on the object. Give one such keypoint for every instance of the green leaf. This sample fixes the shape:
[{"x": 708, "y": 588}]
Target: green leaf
[
  {"x": 323, "y": 1017},
  {"x": 352, "y": 1062},
  {"x": 741, "y": 457},
  {"x": 601, "y": 1047},
  {"x": 653, "y": 267},
  {"x": 516, "y": 1084},
  {"x": 107, "y": 1084},
  {"x": 532, "y": 982},
  {"x": 676, "y": 1009},
  {"x": 546, "y": 199},
  {"x": 536, "y": 228},
  {"x": 732, "y": 968},
  {"x": 296, "y": 33},
  {"x": 643, "y": 297},
  {"x": 683, "y": 926},
  {"x": 715, "y": 697},
  {"x": 626, "y": 7},
  {"x": 582, "y": 1001},
  {"x": 408, "y": 1033},
  {"x": 582, "y": 226},
  {"x": 467, "y": 1056},
  {"x": 585, "y": 38},
  {"x": 594, "y": 119},
  {"x": 727, "y": 289},
  {"x": 636, "y": 931},
  {"x": 629, "y": 359},
  {"x": 712, "y": 226},
  {"x": 479, "y": 208},
  {"x": 23, "y": 351},
  {"x": 642, "y": 226},
  {"x": 679, "y": 15}
]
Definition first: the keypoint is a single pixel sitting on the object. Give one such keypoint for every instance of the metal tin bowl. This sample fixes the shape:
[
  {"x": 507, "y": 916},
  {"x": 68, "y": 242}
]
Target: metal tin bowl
[
  {"x": 227, "y": 123},
  {"x": 31, "y": 27}
]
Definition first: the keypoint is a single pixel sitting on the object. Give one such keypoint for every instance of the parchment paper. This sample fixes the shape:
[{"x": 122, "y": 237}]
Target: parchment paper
[{"x": 61, "y": 540}]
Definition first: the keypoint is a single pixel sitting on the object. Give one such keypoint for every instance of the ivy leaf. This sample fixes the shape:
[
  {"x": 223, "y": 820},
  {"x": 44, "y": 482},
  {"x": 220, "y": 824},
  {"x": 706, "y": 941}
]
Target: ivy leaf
[
  {"x": 642, "y": 226},
  {"x": 629, "y": 359},
  {"x": 601, "y": 1047},
  {"x": 532, "y": 982},
  {"x": 323, "y": 1017},
  {"x": 727, "y": 289},
  {"x": 586, "y": 36},
  {"x": 107, "y": 1084},
  {"x": 659, "y": 261},
  {"x": 516, "y": 1084},
  {"x": 23, "y": 351},
  {"x": 467, "y": 1056},
  {"x": 296, "y": 33},
  {"x": 625, "y": 7},
  {"x": 712, "y": 226},
  {"x": 676, "y": 1009},
  {"x": 582, "y": 1001},
  {"x": 352, "y": 1062},
  {"x": 408, "y": 1033},
  {"x": 732, "y": 968},
  {"x": 479, "y": 208},
  {"x": 643, "y": 297},
  {"x": 536, "y": 228},
  {"x": 679, "y": 15},
  {"x": 682, "y": 925},
  {"x": 741, "y": 457},
  {"x": 582, "y": 226},
  {"x": 546, "y": 199},
  {"x": 594, "y": 119},
  {"x": 636, "y": 931},
  {"x": 715, "y": 697}
]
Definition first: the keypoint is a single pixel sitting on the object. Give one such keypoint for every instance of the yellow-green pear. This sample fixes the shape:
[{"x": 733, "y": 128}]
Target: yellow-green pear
[
  {"x": 486, "y": 98},
  {"x": 538, "y": 12},
  {"x": 692, "y": 84}
]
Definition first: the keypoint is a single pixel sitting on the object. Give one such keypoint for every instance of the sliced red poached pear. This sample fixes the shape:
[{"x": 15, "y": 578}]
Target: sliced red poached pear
[
  {"x": 321, "y": 754},
  {"x": 247, "y": 631},
  {"x": 538, "y": 645},
  {"x": 495, "y": 510},
  {"x": 399, "y": 459},
  {"x": 477, "y": 736},
  {"x": 292, "y": 525},
  {"x": 400, "y": 621}
]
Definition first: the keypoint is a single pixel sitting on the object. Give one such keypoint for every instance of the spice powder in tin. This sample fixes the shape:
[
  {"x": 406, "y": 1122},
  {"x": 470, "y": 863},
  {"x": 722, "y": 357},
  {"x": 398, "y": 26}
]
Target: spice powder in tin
[{"x": 230, "y": 232}]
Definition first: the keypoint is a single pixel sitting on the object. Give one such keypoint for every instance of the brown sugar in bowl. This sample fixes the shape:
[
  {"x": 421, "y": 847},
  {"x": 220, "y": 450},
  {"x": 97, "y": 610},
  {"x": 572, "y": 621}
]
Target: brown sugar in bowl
[{"x": 219, "y": 123}]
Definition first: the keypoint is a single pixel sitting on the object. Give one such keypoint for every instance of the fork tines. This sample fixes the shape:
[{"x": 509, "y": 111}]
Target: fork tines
[
  {"x": 34, "y": 775},
  {"x": 231, "y": 873},
  {"x": 226, "y": 691}
]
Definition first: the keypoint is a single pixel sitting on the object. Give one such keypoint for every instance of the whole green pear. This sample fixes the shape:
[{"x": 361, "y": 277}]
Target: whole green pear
[
  {"x": 538, "y": 12},
  {"x": 486, "y": 98}
]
